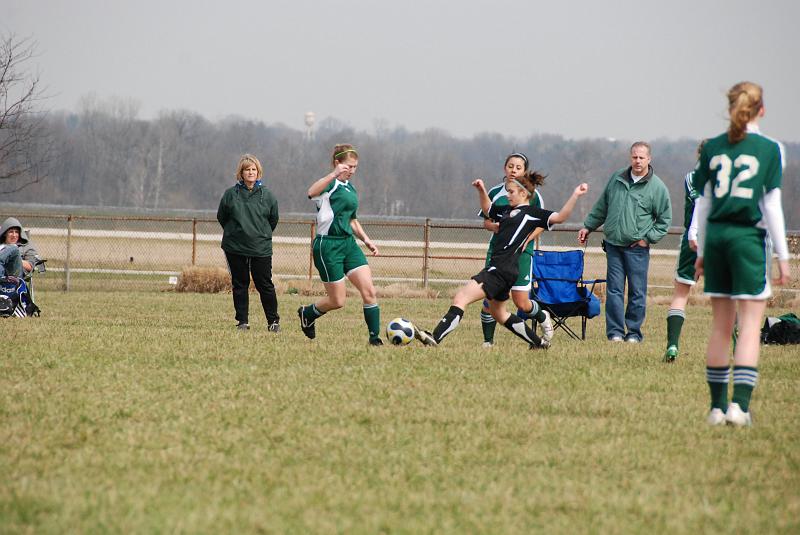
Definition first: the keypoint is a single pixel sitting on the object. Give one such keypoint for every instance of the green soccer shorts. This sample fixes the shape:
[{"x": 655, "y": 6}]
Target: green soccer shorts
[
  {"x": 336, "y": 257},
  {"x": 684, "y": 273},
  {"x": 735, "y": 262}
]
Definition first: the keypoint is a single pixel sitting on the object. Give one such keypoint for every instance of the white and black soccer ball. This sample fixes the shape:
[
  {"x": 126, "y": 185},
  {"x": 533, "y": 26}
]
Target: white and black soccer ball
[{"x": 400, "y": 331}]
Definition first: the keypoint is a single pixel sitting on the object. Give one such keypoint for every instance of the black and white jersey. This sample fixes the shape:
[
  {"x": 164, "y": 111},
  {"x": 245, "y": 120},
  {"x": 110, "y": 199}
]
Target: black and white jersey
[{"x": 516, "y": 223}]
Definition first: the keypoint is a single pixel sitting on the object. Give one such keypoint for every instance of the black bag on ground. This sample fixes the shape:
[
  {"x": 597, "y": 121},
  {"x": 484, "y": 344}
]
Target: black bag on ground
[
  {"x": 15, "y": 300},
  {"x": 782, "y": 330}
]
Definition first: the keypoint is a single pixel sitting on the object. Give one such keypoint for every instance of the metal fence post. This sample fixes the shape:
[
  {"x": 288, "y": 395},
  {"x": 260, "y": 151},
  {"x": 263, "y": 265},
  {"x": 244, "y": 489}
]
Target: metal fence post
[
  {"x": 69, "y": 253},
  {"x": 311, "y": 252},
  {"x": 425, "y": 252},
  {"x": 194, "y": 240}
]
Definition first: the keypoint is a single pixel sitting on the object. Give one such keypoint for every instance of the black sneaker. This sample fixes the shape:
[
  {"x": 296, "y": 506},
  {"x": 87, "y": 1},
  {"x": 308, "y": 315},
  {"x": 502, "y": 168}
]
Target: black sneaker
[
  {"x": 243, "y": 326},
  {"x": 375, "y": 342},
  {"x": 308, "y": 328},
  {"x": 274, "y": 327}
]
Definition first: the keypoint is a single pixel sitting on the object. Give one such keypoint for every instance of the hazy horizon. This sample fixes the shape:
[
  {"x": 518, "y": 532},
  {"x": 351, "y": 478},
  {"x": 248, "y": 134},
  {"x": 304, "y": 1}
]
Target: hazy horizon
[{"x": 622, "y": 69}]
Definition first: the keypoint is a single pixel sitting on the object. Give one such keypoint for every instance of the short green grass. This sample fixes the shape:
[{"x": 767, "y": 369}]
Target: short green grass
[{"x": 150, "y": 413}]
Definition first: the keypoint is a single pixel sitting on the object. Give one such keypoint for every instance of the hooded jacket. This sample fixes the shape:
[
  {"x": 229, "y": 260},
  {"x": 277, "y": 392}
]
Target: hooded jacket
[
  {"x": 632, "y": 212},
  {"x": 10, "y": 223},
  {"x": 27, "y": 249},
  {"x": 248, "y": 218}
]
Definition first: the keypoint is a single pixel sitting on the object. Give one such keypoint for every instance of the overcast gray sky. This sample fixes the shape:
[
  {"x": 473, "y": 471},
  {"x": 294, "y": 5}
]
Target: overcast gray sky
[{"x": 616, "y": 68}]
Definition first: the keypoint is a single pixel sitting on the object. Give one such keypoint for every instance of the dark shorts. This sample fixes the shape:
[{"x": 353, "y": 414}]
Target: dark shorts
[
  {"x": 496, "y": 285},
  {"x": 523, "y": 281}
]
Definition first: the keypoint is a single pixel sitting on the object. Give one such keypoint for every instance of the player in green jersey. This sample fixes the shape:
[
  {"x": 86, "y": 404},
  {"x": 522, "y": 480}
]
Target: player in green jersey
[
  {"x": 337, "y": 256},
  {"x": 684, "y": 272},
  {"x": 516, "y": 165},
  {"x": 739, "y": 177}
]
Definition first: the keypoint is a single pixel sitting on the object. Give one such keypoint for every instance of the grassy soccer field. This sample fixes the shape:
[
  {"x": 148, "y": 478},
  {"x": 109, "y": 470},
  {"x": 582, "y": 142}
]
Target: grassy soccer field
[{"x": 143, "y": 412}]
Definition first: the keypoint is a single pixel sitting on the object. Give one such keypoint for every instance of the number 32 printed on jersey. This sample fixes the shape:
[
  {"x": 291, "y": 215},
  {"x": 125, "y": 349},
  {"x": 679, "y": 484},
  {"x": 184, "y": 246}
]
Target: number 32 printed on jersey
[{"x": 746, "y": 166}]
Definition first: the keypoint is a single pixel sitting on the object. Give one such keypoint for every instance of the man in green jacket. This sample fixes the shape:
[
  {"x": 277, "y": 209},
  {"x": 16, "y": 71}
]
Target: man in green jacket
[{"x": 636, "y": 213}]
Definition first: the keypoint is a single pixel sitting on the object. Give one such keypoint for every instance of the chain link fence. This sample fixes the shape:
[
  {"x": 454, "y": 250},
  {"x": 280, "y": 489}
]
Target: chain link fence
[{"x": 135, "y": 253}]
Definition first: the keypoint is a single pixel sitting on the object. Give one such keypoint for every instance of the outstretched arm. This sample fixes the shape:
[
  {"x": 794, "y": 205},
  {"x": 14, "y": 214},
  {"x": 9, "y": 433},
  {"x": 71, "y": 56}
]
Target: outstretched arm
[
  {"x": 566, "y": 210},
  {"x": 483, "y": 196}
]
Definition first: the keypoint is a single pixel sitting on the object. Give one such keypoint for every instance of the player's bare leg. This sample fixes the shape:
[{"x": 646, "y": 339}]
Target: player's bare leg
[
  {"x": 467, "y": 294},
  {"x": 515, "y": 324},
  {"x": 336, "y": 293},
  {"x": 527, "y": 308}
]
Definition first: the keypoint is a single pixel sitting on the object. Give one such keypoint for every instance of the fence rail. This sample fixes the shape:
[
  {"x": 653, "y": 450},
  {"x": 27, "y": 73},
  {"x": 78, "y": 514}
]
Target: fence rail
[{"x": 87, "y": 252}]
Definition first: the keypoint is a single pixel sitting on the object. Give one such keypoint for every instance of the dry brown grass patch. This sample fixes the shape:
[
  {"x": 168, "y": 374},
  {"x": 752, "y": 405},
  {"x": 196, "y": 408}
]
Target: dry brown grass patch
[
  {"x": 784, "y": 299},
  {"x": 203, "y": 280},
  {"x": 404, "y": 290},
  {"x": 600, "y": 291}
]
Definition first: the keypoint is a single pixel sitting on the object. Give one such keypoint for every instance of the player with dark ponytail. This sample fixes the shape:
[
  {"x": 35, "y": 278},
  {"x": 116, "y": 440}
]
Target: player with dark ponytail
[{"x": 518, "y": 219}]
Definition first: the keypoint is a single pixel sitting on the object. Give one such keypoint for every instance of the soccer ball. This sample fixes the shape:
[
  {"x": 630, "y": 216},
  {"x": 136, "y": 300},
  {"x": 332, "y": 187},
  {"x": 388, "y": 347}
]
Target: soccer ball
[{"x": 400, "y": 331}]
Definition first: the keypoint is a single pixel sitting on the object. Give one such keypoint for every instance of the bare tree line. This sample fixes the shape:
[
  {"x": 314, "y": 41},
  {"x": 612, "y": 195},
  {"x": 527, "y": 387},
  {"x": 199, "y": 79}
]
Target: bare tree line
[
  {"x": 103, "y": 154},
  {"x": 25, "y": 146}
]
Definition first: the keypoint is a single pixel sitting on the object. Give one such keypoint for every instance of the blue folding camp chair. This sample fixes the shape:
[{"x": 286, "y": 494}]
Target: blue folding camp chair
[{"x": 559, "y": 288}]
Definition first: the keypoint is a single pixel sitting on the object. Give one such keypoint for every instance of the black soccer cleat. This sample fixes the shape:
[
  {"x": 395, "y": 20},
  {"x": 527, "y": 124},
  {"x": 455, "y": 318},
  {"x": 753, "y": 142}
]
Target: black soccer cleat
[
  {"x": 308, "y": 328},
  {"x": 375, "y": 342}
]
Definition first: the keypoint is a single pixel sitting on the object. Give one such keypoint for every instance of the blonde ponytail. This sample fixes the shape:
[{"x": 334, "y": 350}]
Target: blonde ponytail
[{"x": 744, "y": 103}]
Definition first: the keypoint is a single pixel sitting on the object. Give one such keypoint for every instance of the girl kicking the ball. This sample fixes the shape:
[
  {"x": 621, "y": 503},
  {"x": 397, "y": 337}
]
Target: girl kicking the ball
[
  {"x": 516, "y": 165},
  {"x": 517, "y": 222},
  {"x": 337, "y": 256}
]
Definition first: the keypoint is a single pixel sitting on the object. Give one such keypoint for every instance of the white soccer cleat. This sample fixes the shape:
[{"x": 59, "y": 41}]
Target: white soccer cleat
[
  {"x": 543, "y": 344},
  {"x": 737, "y": 417},
  {"x": 488, "y": 345},
  {"x": 616, "y": 338},
  {"x": 715, "y": 417},
  {"x": 547, "y": 327},
  {"x": 425, "y": 337}
]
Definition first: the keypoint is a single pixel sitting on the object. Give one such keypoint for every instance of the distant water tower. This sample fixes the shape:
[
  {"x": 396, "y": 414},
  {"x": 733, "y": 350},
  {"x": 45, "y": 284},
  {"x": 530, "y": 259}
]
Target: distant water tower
[{"x": 310, "y": 118}]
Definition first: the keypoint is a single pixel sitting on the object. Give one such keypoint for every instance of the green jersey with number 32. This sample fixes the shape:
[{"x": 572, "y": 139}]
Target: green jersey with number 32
[{"x": 735, "y": 177}]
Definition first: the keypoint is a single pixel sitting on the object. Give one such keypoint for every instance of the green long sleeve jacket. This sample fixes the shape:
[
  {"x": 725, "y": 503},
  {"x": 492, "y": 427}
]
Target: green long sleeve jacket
[
  {"x": 248, "y": 218},
  {"x": 631, "y": 212}
]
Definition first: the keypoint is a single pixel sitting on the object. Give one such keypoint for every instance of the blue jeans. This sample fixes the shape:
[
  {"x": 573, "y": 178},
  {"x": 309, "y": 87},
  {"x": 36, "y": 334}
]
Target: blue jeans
[
  {"x": 623, "y": 263},
  {"x": 10, "y": 261}
]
